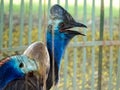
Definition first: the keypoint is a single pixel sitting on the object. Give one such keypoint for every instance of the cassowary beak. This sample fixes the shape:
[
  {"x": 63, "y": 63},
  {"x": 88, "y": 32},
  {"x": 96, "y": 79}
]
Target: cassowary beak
[
  {"x": 76, "y": 24},
  {"x": 67, "y": 27}
]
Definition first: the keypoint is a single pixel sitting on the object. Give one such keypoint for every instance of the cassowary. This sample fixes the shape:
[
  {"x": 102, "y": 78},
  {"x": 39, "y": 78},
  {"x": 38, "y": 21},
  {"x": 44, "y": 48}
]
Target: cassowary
[
  {"x": 34, "y": 80},
  {"x": 60, "y": 24},
  {"x": 57, "y": 38}
]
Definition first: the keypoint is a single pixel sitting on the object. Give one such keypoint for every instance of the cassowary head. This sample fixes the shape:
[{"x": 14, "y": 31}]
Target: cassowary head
[
  {"x": 15, "y": 67},
  {"x": 61, "y": 20}
]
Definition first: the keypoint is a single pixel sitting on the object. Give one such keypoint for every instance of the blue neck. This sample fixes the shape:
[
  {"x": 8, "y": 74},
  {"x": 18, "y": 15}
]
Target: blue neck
[
  {"x": 60, "y": 43},
  {"x": 8, "y": 73}
]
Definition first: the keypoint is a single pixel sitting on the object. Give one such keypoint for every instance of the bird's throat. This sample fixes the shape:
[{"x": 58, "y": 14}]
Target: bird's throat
[{"x": 57, "y": 48}]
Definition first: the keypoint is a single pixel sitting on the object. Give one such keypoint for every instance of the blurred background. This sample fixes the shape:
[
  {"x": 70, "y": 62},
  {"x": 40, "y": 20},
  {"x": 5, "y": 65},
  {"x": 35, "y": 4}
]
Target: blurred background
[{"x": 91, "y": 62}]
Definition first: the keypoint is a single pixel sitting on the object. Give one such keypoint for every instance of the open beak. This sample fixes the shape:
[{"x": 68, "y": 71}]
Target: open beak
[{"x": 67, "y": 27}]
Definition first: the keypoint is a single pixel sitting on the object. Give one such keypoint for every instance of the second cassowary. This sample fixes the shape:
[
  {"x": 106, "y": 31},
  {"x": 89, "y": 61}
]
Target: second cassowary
[
  {"x": 34, "y": 80},
  {"x": 15, "y": 67}
]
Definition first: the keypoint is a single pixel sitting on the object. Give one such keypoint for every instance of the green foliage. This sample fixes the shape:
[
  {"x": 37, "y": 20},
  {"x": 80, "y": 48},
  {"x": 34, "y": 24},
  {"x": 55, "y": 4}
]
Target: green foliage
[{"x": 71, "y": 9}]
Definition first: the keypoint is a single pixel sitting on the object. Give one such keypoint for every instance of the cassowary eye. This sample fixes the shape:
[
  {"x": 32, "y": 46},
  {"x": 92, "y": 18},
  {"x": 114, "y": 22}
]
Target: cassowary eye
[
  {"x": 21, "y": 65},
  {"x": 62, "y": 24}
]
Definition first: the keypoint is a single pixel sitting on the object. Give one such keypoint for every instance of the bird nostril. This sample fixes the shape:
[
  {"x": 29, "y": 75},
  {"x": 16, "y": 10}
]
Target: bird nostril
[{"x": 21, "y": 65}]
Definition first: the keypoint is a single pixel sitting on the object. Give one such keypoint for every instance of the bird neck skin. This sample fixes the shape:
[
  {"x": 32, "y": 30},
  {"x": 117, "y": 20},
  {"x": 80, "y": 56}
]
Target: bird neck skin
[
  {"x": 60, "y": 43},
  {"x": 8, "y": 74}
]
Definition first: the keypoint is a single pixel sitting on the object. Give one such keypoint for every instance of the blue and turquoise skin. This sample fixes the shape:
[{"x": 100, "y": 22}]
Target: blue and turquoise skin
[{"x": 15, "y": 67}]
